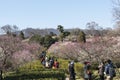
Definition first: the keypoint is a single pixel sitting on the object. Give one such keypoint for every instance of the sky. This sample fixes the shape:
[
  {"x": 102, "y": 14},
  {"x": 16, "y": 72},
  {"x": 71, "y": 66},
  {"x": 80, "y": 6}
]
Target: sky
[{"x": 51, "y": 13}]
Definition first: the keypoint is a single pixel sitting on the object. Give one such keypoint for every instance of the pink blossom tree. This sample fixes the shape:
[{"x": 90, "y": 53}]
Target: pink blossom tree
[
  {"x": 14, "y": 52},
  {"x": 95, "y": 49}
]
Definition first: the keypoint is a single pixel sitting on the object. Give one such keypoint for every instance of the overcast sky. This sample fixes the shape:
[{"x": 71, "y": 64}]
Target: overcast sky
[{"x": 50, "y": 13}]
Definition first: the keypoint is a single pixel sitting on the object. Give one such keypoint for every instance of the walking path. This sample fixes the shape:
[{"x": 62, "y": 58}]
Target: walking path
[
  {"x": 76, "y": 79},
  {"x": 67, "y": 79}
]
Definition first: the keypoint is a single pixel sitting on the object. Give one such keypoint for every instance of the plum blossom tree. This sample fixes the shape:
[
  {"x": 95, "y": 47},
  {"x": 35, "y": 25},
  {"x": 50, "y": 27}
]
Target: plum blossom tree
[
  {"x": 95, "y": 49},
  {"x": 14, "y": 52},
  {"x": 99, "y": 48}
]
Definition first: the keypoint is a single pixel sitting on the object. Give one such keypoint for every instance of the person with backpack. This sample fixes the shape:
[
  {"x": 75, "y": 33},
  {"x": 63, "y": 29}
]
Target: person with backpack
[
  {"x": 101, "y": 69},
  {"x": 72, "y": 71},
  {"x": 109, "y": 70}
]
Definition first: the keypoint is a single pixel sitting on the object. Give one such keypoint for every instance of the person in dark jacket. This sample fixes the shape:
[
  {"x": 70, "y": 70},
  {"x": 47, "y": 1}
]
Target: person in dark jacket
[
  {"x": 109, "y": 70},
  {"x": 72, "y": 71}
]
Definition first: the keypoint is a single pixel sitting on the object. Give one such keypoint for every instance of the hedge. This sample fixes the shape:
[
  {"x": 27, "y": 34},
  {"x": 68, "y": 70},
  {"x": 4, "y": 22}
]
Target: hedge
[{"x": 27, "y": 75}]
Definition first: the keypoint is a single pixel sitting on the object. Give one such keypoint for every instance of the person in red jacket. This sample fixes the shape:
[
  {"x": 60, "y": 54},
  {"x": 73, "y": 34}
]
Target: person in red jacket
[{"x": 56, "y": 64}]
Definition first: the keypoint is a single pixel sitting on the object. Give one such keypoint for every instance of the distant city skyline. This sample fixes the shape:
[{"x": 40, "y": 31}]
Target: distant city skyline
[{"x": 50, "y": 13}]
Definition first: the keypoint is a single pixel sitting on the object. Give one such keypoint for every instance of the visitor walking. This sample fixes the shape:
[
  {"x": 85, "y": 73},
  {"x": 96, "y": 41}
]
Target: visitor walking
[
  {"x": 87, "y": 71},
  {"x": 101, "y": 69},
  {"x": 72, "y": 71},
  {"x": 109, "y": 70}
]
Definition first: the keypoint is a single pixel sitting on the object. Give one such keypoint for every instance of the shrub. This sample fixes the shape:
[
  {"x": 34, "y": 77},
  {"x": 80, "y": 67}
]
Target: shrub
[
  {"x": 94, "y": 66},
  {"x": 45, "y": 41},
  {"x": 63, "y": 64},
  {"x": 35, "y": 65},
  {"x": 25, "y": 75},
  {"x": 35, "y": 70},
  {"x": 81, "y": 37},
  {"x": 79, "y": 69}
]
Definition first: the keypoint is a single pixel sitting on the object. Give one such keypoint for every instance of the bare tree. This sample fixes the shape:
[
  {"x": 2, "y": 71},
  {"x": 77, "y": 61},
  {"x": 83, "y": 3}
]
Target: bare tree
[
  {"x": 116, "y": 9},
  {"x": 94, "y": 28},
  {"x": 8, "y": 29},
  {"x": 116, "y": 16}
]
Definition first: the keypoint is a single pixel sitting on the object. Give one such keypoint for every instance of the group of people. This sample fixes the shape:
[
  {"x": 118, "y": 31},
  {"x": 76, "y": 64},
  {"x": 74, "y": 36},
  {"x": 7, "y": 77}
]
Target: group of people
[
  {"x": 106, "y": 70},
  {"x": 49, "y": 62}
]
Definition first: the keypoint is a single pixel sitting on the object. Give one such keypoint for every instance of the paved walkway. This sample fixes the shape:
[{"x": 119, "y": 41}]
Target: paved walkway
[
  {"x": 67, "y": 79},
  {"x": 76, "y": 79}
]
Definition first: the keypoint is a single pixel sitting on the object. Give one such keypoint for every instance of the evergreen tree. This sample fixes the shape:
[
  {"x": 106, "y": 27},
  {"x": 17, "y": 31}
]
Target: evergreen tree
[
  {"x": 63, "y": 33},
  {"x": 81, "y": 37},
  {"x": 22, "y": 35}
]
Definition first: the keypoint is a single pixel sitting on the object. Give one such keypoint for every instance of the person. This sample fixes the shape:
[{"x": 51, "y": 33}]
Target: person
[
  {"x": 101, "y": 68},
  {"x": 87, "y": 71},
  {"x": 72, "y": 71},
  {"x": 56, "y": 64},
  {"x": 51, "y": 62},
  {"x": 42, "y": 57},
  {"x": 47, "y": 64},
  {"x": 109, "y": 70},
  {"x": 43, "y": 54},
  {"x": 46, "y": 58},
  {"x": 43, "y": 61}
]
